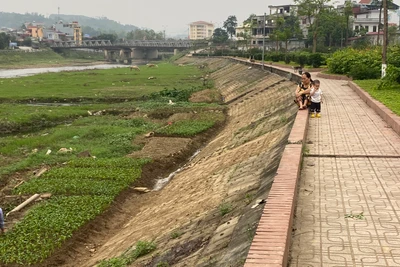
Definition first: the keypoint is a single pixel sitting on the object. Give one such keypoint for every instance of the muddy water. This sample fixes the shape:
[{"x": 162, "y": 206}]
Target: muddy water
[{"x": 12, "y": 73}]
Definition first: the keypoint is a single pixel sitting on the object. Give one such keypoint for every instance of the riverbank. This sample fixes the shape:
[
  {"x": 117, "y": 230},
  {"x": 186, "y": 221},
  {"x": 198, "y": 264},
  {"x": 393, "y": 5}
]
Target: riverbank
[
  {"x": 48, "y": 58},
  {"x": 54, "y": 64}
]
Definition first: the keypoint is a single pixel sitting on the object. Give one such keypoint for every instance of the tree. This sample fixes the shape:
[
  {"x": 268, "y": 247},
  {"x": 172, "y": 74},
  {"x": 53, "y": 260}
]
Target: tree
[
  {"x": 286, "y": 29},
  {"x": 392, "y": 33},
  {"x": 27, "y": 42},
  {"x": 332, "y": 24},
  {"x": 230, "y": 25},
  {"x": 4, "y": 40},
  {"x": 89, "y": 30},
  {"x": 248, "y": 26},
  {"x": 348, "y": 11},
  {"x": 107, "y": 36},
  {"x": 312, "y": 10},
  {"x": 220, "y": 36},
  {"x": 144, "y": 34}
]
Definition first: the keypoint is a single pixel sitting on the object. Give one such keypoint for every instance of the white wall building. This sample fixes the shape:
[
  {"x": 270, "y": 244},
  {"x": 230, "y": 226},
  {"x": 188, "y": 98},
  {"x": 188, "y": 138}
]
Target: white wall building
[
  {"x": 370, "y": 20},
  {"x": 200, "y": 30}
]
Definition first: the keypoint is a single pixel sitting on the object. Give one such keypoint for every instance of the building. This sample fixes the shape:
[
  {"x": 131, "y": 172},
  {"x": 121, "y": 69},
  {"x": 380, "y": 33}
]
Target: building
[
  {"x": 35, "y": 32},
  {"x": 72, "y": 31},
  {"x": 200, "y": 30},
  {"x": 53, "y": 36},
  {"x": 366, "y": 16},
  {"x": 260, "y": 29}
]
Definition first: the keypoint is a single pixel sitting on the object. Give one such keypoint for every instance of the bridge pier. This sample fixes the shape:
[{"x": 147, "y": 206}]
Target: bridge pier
[
  {"x": 109, "y": 55},
  {"x": 125, "y": 56},
  {"x": 138, "y": 53},
  {"x": 152, "y": 53},
  {"x": 147, "y": 53}
]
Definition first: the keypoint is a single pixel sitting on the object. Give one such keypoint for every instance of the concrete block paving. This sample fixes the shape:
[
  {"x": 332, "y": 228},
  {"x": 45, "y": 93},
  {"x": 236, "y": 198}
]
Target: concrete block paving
[{"x": 348, "y": 205}]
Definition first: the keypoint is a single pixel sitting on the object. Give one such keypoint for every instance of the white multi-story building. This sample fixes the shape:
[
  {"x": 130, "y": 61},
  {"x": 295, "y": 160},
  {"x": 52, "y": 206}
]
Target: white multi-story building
[
  {"x": 200, "y": 30},
  {"x": 367, "y": 17},
  {"x": 262, "y": 26}
]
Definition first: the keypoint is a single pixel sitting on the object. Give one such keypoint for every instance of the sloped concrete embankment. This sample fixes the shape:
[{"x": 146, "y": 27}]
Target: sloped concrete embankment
[{"x": 217, "y": 201}]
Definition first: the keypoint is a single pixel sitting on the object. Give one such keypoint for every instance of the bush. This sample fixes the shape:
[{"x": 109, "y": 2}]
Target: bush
[
  {"x": 315, "y": 60},
  {"x": 301, "y": 58},
  {"x": 361, "y": 71},
  {"x": 393, "y": 57},
  {"x": 287, "y": 58},
  {"x": 392, "y": 77},
  {"x": 342, "y": 61}
]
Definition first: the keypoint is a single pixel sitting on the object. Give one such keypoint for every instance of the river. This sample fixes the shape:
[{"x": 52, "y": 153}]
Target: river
[{"x": 12, "y": 73}]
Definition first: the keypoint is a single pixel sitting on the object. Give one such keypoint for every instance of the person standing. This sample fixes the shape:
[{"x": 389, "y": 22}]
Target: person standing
[
  {"x": 316, "y": 99},
  {"x": 1, "y": 221},
  {"x": 303, "y": 91}
]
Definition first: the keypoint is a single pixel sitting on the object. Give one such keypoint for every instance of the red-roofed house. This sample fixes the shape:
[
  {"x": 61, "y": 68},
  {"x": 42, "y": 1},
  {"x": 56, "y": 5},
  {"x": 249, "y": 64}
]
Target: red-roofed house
[{"x": 200, "y": 30}]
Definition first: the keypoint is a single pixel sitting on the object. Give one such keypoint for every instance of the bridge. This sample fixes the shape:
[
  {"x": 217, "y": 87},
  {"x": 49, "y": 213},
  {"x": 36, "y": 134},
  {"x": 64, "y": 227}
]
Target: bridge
[
  {"x": 127, "y": 50},
  {"x": 126, "y": 44}
]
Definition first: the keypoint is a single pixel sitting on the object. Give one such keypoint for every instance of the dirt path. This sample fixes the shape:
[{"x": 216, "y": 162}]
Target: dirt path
[{"x": 232, "y": 173}]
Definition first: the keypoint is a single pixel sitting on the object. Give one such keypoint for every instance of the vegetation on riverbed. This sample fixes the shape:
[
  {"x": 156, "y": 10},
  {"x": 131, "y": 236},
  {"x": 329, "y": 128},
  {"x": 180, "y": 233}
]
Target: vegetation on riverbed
[
  {"x": 11, "y": 59},
  {"x": 49, "y": 120}
]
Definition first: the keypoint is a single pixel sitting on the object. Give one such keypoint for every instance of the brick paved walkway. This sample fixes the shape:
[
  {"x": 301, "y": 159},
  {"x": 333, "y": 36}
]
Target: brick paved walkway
[{"x": 348, "y": 205}]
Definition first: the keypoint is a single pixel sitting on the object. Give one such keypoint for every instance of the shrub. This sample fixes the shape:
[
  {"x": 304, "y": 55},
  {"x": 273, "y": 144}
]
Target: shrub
[
  {"x": 275, "y": 57},
  {"x": 342, "y": 61},
  {"x": 361, "y": 71},
  {"x": 393, "y": 57},
  {"x": 315, "y": 60},
  {"x": 392, "y": 77},
  {"x": 287, "y": 58},
  {"x": 301, "y": 58}
]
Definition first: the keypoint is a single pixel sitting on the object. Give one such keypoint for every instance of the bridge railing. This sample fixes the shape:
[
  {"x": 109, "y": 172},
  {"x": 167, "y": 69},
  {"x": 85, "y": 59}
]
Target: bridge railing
[
  {"x": 86, "y": 43},
  {"x": 128, "y": 43}
]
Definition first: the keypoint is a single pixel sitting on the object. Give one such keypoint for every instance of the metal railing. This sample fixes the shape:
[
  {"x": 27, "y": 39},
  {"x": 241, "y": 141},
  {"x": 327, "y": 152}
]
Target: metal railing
[{"x": 128, "y": 43}]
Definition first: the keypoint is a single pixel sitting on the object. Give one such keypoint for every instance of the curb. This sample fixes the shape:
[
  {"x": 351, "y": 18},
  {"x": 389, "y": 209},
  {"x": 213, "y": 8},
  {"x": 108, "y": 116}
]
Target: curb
[
  {"x": 272, "y": 241},
  {"x": 386, "y": 114}
]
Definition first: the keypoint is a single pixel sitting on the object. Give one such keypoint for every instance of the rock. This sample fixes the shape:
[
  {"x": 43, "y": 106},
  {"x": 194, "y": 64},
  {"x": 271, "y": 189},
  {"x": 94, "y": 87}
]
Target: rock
[
  {"x": 142, "y": 189},
  {"x": 150, "y": 134}
]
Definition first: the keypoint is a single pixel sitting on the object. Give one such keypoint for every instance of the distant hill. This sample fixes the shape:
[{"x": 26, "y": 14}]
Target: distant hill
[{"x": 91, "y": 26}]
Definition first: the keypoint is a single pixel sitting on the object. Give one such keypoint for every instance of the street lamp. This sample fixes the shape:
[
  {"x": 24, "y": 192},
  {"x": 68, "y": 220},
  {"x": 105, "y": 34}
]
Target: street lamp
[
  {"x": 227, "y": 28},
  {"x": 263, "y": 51},
  {"x": 164, "y": 26}
]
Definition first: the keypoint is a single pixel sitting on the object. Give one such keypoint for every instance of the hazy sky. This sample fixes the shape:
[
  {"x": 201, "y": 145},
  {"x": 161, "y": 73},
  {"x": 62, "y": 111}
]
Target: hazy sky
[{"x": 173, "y": 16}]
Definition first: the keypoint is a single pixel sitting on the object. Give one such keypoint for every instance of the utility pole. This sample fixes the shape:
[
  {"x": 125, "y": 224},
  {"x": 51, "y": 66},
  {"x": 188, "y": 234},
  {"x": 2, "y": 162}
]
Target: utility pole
[
  {"x": 263, "y": 51},
  {"x": 385, "y": 36}
]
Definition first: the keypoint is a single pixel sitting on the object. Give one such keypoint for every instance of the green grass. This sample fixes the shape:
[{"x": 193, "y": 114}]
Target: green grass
[
  {"x": 104, "y": 137},
  {"x": 129, "y": 105},
  {"x": 47, "y": 226},
  {"x": 80, "y": 191},
  {"x": 194, "y": 125},
  {"x": 225, "y": 208},
  {"x": 390, "y": 97},
  {"x": 142, "y": 248},
  {"x": 44, "y": 57},
  {"x": 99, "y": 85}
]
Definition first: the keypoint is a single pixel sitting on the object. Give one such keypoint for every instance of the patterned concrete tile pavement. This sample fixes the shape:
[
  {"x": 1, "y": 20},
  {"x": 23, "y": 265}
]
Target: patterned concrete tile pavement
[{"x": 348, "y": 205}]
